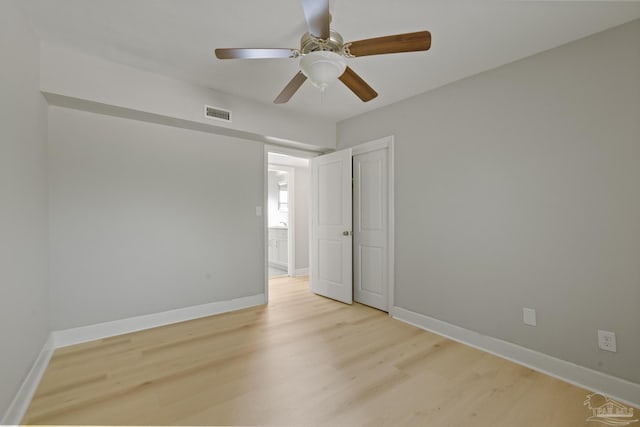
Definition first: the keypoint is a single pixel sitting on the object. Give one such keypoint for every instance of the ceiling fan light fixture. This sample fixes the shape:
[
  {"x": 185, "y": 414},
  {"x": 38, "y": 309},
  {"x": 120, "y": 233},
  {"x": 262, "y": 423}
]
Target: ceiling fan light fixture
[{"x": 322, "y": 67}]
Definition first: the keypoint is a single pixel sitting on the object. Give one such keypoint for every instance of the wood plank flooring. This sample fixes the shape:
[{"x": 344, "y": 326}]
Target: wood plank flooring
[{"x": 301, "y": 360}]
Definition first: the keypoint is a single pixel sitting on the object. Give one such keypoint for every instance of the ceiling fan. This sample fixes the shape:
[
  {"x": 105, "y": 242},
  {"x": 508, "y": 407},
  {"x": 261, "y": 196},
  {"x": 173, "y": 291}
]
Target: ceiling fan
[{"x": 323, "y": 53}]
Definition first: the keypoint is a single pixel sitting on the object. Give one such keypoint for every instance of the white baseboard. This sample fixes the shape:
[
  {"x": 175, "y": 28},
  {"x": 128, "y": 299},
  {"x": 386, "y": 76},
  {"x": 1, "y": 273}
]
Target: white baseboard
[
  {"x": 20, "y": 403},
  {"x": 302, "y": 272},
  {"x": 63, "y": 338},
  {"x": 619, "y": 389},
  {"x": 281, "y": 265},
  {"x": 82, "y": 334}
]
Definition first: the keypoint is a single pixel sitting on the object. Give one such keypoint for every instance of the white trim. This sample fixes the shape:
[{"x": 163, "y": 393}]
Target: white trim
[
  {"x": 377, "y": 144},
  {"x": 20, "y": 403},
  {"x": 265, "y": 220},
  {"x": 280, "y": 265},
  {"x": 97, "y": 331},
  {"x": 391, "y": 280},
  {"x": 304, "y": 154},
  {"x": 302, "y": 271},
  {"x": 291, "y": 245},
  {"x": 617, "y": 388}
]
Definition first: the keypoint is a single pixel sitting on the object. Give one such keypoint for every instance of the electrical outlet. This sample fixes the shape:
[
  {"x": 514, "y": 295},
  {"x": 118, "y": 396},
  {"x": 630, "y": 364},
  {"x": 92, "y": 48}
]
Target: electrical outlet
[
  {"x": 607, "y": 340},
  {"x": 529, "y": 316}
]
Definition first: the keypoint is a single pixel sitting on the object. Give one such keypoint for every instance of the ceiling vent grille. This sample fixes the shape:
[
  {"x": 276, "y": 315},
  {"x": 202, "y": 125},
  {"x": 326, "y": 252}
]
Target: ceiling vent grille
[{"x": 217, "y": 113}]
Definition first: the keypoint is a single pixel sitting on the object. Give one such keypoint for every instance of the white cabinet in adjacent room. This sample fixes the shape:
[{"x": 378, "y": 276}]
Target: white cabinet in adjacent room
[{"x": 278, "y": 247}]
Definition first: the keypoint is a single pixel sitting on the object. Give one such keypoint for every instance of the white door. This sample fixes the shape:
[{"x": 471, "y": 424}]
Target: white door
[
  {"x": 371, "y": 222},
  {"x": 331, "y": 221}
]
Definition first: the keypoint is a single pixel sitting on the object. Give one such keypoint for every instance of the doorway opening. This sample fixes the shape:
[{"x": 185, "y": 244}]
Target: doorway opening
[
  {"x": 287, "y": 214},
  {"x": 348, "y": 255},
  {"x": 280, "y": 251}
]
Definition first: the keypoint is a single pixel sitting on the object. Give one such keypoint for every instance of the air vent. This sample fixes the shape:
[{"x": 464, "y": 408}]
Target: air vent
[{"x": 217, "y": 113}]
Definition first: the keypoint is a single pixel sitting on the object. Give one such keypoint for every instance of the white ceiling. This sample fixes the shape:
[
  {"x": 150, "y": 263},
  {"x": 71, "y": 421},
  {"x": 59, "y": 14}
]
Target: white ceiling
[{"x": 177, "y": 38}]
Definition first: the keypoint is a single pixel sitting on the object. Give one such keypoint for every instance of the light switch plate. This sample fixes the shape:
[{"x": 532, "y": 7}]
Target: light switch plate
[
  {"x": 529, "y": 316},
  {"x": 258, "y": 210}
]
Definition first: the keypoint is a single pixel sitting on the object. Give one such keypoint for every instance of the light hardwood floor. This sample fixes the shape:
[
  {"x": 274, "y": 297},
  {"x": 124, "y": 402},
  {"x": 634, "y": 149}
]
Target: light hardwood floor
[{"x": 301, "y": 360}]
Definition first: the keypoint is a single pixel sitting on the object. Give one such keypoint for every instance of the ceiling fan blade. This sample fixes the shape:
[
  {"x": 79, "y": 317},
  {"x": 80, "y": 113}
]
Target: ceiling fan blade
[
  {"x": 410, "y": 42},
  {"x": 240, "y": 53},
  {"x": 290, "y": 88},
  {"x": 357, "y": 85},
  {"x": 316, "y": 13}
]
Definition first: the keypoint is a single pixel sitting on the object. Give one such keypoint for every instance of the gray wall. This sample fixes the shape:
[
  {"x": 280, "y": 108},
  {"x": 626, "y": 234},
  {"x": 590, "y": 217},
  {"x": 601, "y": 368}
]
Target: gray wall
[
  {"x": 146, "y": 218},
  {"x": 521, "y": 187},
  {"x": 23, "y": 198},
  {"x": 86, "y": 78}
]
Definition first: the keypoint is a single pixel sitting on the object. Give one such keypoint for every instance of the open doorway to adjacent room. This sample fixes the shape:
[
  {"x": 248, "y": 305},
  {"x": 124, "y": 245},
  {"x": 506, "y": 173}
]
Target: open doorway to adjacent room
[
  {"x": 281, "y": 253},
  {"x": 287, "y": 209}
]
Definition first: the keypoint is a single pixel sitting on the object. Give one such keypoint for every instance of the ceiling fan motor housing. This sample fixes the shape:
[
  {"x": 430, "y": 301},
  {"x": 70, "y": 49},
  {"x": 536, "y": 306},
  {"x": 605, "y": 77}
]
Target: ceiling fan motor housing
[{"x": 334, "y": 43}]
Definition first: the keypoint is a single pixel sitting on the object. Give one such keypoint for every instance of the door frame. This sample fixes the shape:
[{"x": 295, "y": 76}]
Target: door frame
[
  {"x": 386, "y": 143},
  {"x": 276, "y": 149}
]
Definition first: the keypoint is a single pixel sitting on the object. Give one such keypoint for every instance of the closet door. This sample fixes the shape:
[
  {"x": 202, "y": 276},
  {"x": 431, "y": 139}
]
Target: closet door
[{"x": 370, "y": 224}]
